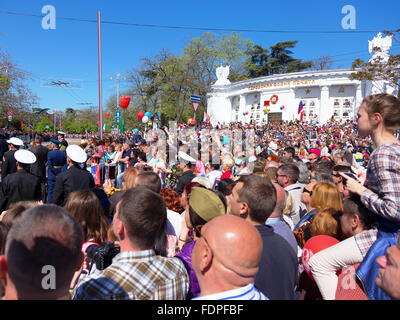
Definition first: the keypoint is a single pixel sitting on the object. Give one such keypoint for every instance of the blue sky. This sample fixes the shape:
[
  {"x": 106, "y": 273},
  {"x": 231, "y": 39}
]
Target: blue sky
[{"x": 70, "y": 51}]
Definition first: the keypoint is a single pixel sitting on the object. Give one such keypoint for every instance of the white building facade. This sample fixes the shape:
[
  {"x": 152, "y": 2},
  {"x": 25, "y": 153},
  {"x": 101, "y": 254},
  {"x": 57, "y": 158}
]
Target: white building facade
[{"x": 323, "y": 94}]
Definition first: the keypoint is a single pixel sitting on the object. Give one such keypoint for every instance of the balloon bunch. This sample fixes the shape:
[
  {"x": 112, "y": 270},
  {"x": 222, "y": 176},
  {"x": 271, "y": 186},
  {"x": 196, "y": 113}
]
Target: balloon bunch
[{"x": 144, "y": 116}]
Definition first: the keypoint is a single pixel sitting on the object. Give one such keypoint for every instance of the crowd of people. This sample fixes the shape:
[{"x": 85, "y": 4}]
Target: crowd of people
[{"x": 279, "y": 211}]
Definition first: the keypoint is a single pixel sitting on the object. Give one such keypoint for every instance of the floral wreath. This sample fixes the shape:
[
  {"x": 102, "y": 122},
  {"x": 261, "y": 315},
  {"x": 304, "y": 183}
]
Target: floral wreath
[{"x": 274, "y": 99}]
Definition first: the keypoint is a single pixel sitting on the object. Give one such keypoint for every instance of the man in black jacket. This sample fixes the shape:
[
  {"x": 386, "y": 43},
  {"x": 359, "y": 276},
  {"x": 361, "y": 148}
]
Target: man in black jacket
[
  {"x": 187, "y": 164},
  {"x": 20, "y": 185},
  {"x": 8, "y": 165},
  {"x": 39, "y": 167},
  {"x": 74, "y": 178}
]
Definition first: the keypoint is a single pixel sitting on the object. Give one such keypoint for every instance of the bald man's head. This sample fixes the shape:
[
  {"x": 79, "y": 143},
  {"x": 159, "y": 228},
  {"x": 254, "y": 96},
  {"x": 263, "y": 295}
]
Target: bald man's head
[{"x": 227, "y": 254}]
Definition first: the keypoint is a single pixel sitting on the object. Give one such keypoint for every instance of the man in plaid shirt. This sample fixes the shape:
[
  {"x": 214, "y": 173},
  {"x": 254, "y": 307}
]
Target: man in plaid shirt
[{"x": 137, "y": 273}]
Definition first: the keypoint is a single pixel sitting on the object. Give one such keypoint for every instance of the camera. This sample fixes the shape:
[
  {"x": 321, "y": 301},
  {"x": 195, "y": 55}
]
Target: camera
[{"x": 102, "y": 254}]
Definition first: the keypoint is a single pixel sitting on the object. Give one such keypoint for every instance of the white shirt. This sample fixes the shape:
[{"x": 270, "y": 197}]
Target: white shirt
[
  {"x": 295, "y": 191},
  {"x": 213, "y": 176},
  {"x": 248, "y": 292}
]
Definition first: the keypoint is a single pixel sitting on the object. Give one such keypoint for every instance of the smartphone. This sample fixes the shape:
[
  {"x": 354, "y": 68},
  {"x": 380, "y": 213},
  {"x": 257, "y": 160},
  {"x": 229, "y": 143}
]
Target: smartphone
[{"x": 351, "y": 175}]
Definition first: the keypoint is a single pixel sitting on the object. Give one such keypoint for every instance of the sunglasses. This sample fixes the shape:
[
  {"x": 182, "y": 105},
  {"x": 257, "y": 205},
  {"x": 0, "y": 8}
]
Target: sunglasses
[
  {"x": 307, "y": 191},
  {"x": 337, "y": 175}
]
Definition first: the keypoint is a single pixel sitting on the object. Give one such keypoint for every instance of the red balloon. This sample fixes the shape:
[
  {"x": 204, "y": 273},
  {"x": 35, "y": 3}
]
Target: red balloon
[
  {"x": 314, "y": 245},
  {"x": 140, "y": 115},
  {"x": 191, "y": 122},
  {"x": 107, "y": 114},
  {"x": 125, "y": 102},
  {"x": 247, "y": 112}
]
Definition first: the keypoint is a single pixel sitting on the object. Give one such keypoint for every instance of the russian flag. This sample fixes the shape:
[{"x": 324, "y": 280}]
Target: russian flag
[{"x": 301, "y": 105}]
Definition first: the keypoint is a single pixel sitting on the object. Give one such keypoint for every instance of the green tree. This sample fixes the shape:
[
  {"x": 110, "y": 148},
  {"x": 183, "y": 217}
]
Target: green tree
[
  {"x": 14, "y": 94},
  {"x": 41, "y": 125},
  {"x": 165, "y": 82},
  {"x": 275, "y": 60}
]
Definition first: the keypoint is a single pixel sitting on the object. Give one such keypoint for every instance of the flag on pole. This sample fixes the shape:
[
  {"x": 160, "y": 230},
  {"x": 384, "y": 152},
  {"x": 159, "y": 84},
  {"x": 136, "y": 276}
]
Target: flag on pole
[
  {"x": 95, "y": 170},
  {"x": 301, "y": 105},
  {"x": 206, "y": 117},
  {"x": 22, "y": 124}
]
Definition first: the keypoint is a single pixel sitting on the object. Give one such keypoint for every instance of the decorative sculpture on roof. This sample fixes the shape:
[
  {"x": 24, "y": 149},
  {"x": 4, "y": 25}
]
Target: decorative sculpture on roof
[
  {"x": 379, "y": 48},
  {"x": 222, "y": 75}
]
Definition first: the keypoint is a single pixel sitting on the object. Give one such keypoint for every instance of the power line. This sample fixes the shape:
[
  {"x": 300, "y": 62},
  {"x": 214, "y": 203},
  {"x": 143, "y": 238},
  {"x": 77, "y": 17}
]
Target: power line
[{"x": 197, "y": 28}]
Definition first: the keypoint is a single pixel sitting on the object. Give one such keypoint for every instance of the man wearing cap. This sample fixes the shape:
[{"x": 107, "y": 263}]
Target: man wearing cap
[
  {"x": 9, "y": 165},
  {"x": 20, "y": 185},
  {"x": 187, "y": 165},
  {"x": 74, "y": 178},
  {"x": 56, "y": 160},
  {"x": 61, "y": 138}
]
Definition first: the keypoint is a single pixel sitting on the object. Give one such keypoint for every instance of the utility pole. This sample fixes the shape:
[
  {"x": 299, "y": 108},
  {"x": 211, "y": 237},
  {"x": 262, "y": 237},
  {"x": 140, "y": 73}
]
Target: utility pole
[
  {"x": 54, "y": 121},
  {"x": 118, "y": 78}
]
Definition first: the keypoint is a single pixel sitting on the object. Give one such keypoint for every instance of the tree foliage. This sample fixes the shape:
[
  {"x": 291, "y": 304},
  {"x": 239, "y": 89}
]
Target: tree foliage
[
  {"x": 275, "y": 60},
  {"x": 14, "y": 94}
]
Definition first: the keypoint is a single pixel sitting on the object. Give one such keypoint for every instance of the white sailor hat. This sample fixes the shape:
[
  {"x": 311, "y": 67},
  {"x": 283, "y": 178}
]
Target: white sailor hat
[
  {"x": 76, "y": 153},
  {"x": 15, "y": 141},
  {"x": 60, "y": 132},
  {"x": 184, "y": 156},
  {"x": 25, "y": 156}
]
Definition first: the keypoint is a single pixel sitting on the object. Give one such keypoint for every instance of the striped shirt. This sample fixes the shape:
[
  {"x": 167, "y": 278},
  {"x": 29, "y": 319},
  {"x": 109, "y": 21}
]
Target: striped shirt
[
  {"x": 383, "y": 194},
  {"x": 137, "y": 276},
  {"x": 248, "y": 292}
]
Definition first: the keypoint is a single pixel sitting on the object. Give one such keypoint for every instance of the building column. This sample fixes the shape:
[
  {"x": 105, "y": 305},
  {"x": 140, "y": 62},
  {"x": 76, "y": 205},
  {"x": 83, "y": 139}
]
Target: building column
[
  {"x": 242, "y": 107},
  {"x": 325, "y": 110},
  {"x": 358, "y": 99},
  {"x": 293, "y": 115}
]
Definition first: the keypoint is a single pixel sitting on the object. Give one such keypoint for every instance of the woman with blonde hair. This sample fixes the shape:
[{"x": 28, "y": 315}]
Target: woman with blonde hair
[
  {"x": 128, "y": 182},
  {"x": 326, "y": 196},
  {"x": 326, "y": 200}
]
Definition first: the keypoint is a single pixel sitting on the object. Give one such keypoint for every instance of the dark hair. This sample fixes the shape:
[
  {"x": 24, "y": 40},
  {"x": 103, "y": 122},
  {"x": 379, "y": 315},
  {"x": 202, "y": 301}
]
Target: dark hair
[
  {"x": 290, "y": 150},
  {"x": 45, "y": 235},
  {"x": 144, "y": 215},
  {"x": 196, "y": 221},
  {"x": 291, "y": 170},
  {"x": 222, "y": 186},
  {"x": 150, "y": 180},
  {"x": 86, "y": 208},
  {"x": 3, "y": 235},
  {"x": 353, "y": 205},
  {"x": 260, "y": 196}
]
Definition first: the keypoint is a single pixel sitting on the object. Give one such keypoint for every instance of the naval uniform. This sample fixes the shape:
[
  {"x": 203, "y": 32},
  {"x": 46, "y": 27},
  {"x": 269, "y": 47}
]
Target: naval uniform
[
  {"x": 9, "y": 164},
  {"x": 19, "y": 186},
  {"x": 39, "y": 167},
  {"x": 73, "y": 179},
  {"x": 56, "y": 160}
]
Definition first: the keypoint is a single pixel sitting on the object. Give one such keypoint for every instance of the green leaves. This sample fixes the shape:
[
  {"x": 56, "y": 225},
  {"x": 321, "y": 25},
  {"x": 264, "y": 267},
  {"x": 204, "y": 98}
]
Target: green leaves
[{"x": 275, "y": 60}]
